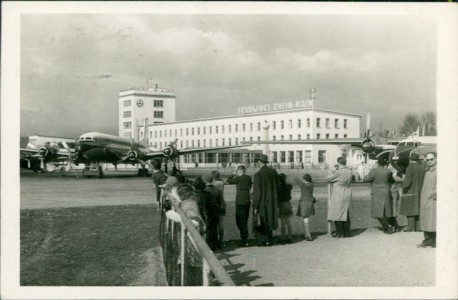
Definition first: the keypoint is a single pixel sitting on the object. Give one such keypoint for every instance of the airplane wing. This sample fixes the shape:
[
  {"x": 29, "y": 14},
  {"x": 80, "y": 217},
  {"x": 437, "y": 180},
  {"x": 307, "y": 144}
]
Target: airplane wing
[
  {"x": 161, "y": 154},
  {"x": 423, "y": 150},
  {"x": 355, "y": 142},
  {"x": 28, "y": 153},
  {"x": 59, "y": 156},
  {"x": 199, "y": 150},
  {"x": 345, "y": 141}
]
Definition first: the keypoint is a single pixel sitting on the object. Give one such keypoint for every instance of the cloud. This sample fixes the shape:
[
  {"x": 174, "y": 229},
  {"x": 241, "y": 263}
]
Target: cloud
[
  {"x": 103, "y": 76},
  {"x": 70, "y": 59},
  {"x": 331, "y": 61}
]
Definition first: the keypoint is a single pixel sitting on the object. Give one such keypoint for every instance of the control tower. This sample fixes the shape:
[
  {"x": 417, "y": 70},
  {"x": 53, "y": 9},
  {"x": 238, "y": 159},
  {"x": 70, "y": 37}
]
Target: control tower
[{"x": 135, "y": 105}]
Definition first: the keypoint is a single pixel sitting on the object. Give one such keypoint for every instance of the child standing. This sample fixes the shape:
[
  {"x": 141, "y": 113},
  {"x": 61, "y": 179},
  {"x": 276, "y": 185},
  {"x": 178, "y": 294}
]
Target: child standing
[
  {"x": 285, "y": 210},
  {"x": 306, "y": 201}
]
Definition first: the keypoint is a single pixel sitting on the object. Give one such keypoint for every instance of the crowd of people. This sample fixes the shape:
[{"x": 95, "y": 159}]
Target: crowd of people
[{"x": 270, "y": 200}]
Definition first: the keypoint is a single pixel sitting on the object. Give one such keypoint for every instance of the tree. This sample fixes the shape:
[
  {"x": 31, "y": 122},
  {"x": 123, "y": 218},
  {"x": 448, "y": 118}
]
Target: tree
[
  {"x": 428, "y": 120},
  {"x": 410, "y": 124}
]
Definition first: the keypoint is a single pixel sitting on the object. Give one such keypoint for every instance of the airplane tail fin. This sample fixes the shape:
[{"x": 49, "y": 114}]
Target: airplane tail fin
[
  {"x": 143, "y": 133},
  {"x": 416, "y": 133}
]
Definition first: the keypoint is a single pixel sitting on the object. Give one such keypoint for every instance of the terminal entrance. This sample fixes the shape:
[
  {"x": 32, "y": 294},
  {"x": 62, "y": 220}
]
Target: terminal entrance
[{"x": 221, "y": 158}]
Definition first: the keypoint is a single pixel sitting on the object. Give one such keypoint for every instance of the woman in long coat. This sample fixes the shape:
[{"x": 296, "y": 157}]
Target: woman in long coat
[
  {"x": 428, "y": 202},
  {"x": 382, "y": 204},
  {"x": 306, "y": 207},
  {"x": 339, "y": 205},
  {"x": 411, "y": 189}
]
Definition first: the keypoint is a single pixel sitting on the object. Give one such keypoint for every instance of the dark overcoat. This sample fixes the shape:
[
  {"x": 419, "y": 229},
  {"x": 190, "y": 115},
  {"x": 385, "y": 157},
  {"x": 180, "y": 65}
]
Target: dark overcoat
[
  {"x": 382, "y": 204},
  {"x": 428, "y": 201},
  {"x": 265, "y": 193},
  {"x": 411, "y": 189}
]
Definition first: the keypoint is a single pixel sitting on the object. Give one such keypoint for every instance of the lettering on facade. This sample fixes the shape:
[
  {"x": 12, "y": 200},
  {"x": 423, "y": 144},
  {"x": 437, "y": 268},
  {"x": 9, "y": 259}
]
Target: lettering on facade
[{"x": 275, "y": 106}]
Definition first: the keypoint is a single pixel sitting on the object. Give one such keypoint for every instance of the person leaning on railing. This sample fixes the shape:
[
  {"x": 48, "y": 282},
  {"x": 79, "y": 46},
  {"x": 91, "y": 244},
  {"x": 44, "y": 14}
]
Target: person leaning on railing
[
  {"x": 189, "y": 206},
  {"x": 209, "y": 211},
  {"x": 159, "y": 178}
]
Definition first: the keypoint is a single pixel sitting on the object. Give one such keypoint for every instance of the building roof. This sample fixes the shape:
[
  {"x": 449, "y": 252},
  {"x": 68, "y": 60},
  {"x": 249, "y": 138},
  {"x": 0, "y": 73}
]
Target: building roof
[{"x": 158, "y": 92}]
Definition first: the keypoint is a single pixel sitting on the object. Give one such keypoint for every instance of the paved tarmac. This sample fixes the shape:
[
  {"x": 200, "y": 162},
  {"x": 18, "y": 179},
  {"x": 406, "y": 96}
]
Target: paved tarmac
[{"x": 370, "y": 258}]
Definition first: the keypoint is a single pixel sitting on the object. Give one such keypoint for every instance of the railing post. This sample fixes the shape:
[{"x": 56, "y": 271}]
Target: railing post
[
  {"x": 329, "y": 200},
  {"x": 190, "y": 240},
  {"x": 182, "y": 248},
  {"x": 205, "y": 272}
]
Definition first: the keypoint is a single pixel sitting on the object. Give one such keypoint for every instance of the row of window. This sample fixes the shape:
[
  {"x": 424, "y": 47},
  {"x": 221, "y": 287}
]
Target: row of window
[
  {"x": 295, "y": 157},
  {"x": 298, "y": 157},
  {"x": 274, "y": 137},
  {"x": 157, "y": 103},
  {"x": 198, "y": 143},
  {"x": 157, "y": 114},
  {"x": 194, "y": 131},
  {"x": 318, "y": 123},
  {"x": 318, "y": 136}
]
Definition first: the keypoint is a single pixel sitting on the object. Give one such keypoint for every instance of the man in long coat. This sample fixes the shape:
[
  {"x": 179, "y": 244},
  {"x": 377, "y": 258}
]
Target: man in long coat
[
  {"x": 382, "y": 204},
  {"x": 339, "y": 204},
  {"x": 428, "y": 200},
  {"x": 411, "y": 189},
  {"x": 265, "y": 195}
]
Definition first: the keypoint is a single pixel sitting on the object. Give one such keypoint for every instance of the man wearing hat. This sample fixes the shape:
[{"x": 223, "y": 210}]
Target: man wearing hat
[
  {"x": 411, "y": 189},
  {"x": 265, "y": 202},
  {"x": 242, "y": 202}
]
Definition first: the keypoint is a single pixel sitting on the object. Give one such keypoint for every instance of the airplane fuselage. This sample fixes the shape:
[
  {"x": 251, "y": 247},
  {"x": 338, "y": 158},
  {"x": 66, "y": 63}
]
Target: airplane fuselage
[
  {"x": 400, "y": 157},
  {"x": 100, "y": 147}
]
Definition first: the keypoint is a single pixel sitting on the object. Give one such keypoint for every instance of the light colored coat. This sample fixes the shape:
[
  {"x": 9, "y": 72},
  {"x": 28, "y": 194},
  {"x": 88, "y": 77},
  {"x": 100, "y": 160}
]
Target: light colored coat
[
  {"x": 428, "y": 200},
  {"x": 341, "y": 194}
]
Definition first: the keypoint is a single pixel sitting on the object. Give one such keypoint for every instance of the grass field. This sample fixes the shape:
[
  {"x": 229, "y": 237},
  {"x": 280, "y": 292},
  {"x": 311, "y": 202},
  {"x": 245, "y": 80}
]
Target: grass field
[{"x": 87, "y": 246}]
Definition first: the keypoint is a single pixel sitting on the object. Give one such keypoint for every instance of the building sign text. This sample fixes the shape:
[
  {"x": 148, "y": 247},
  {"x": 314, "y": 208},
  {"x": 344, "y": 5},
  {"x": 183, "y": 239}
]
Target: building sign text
[{"x": 275, "y": 106}]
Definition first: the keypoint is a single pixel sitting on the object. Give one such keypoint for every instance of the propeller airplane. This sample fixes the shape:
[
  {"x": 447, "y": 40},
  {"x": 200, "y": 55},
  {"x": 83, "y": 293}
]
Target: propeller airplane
[
  {"x": 49, "y": 153},
  {"x": 396, "y": 152},
  {"x": 97, "y": 148},
  {"x": 94, "y": 148}
]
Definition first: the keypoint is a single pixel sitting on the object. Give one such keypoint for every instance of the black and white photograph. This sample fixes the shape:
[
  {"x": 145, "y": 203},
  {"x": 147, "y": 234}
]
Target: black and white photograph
[{"x": 229, "y": 150}]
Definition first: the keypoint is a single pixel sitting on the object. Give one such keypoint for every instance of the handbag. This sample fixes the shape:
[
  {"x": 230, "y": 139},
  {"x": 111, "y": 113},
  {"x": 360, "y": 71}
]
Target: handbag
[
  {"x": 257, "y": 226},
  {"x": 409, "y": 197},
  {"x": 165, "y": 203}
]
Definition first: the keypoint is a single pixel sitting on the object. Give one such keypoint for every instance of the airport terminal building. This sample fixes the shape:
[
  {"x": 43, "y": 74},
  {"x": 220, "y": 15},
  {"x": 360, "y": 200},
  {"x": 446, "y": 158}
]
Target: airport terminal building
[{"x": 293, "y": 120}]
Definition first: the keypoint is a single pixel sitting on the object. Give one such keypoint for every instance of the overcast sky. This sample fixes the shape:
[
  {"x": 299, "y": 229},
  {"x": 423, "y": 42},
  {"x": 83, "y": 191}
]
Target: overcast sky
[{"x": 74, "y": 65}]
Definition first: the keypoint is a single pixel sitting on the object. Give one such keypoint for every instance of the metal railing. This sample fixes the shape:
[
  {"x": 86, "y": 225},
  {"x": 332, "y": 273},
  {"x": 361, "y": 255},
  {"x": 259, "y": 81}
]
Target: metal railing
[{"x": 187, "y": 258}]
